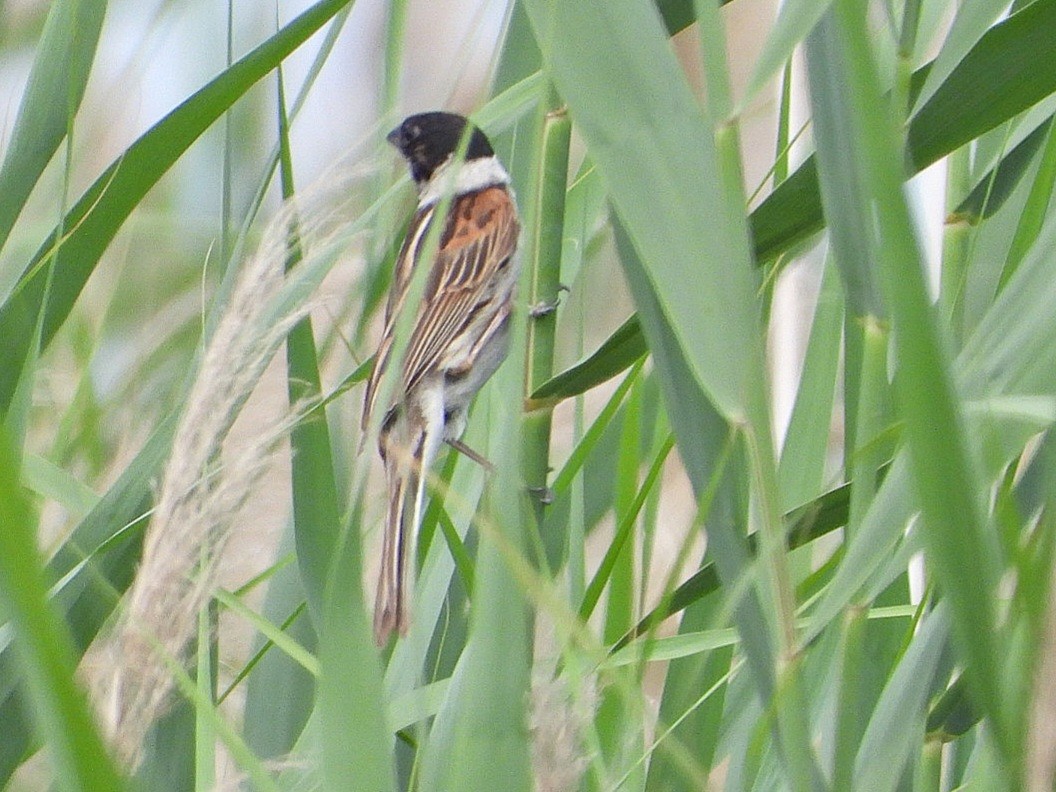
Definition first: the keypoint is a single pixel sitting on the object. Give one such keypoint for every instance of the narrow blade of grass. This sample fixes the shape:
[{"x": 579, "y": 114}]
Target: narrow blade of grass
[
  {"x": 973, "y": 19},
  {"x": 53, "y": 94},
  {"x": 90, "y": 226},
  {"x": 896, "y": 728},
  {"x": 618, "y": 352},
  {"x": 1011, "y": 68},
  {"x": 802, "y": 466},
  {"x": 60, "y": 708},
  {"x": 963, "y": 558}
]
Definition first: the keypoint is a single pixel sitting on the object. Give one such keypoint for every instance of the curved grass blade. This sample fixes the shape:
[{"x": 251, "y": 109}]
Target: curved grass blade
[
  {"x": 53, "y": 94},
  {"x": 619, "y": 352},
  {"x": 604, "y": 573},
  {"x": 1033, "y": 216},
  {"x": 793, "y": 211},
  {"x": 997, "y": 185},
  {"x": 795, "y": 19},
  {"x": 91, "y": 224},
  {"x": 1011, "y": 68},
  {"x": 802, "y": 465},
  {"x": 97, "y": 561},
  {"x": 45, "y": 649},
  {"x": 973, "y": 19},
  {"x": 961, "y": 551}
]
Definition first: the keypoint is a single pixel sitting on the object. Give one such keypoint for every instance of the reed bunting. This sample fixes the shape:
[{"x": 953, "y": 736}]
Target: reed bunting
[{"x": 460, "y": 332}]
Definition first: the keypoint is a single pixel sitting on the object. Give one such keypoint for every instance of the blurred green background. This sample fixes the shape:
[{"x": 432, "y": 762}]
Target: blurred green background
[{"x": 770, "y": 507}]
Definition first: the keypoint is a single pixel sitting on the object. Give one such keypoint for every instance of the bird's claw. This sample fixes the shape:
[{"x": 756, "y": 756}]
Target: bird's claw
[
  {"x": 544, "y": 494},
  {"x": 546, "y": 307}
]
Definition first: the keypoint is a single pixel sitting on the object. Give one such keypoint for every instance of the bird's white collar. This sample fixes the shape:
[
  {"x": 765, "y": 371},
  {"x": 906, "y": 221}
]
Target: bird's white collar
[{"x": 473, "y": 175}]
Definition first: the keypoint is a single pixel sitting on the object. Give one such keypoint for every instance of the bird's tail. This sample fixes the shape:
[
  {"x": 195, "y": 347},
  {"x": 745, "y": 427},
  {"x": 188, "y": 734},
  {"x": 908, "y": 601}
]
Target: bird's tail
[
  {"x": 406, "y": 488},
  {"x": 390, "y": 605}
]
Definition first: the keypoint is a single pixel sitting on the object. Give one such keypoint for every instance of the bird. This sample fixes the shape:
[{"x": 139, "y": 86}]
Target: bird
[{"x": 460, "y": 331}]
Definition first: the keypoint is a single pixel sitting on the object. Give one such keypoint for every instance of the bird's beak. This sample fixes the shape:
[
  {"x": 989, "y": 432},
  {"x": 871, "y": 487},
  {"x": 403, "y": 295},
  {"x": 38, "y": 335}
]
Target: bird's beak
[{"x": 394, "y": 137}]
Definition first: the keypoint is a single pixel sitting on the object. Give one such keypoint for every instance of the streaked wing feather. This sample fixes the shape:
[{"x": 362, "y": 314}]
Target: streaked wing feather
[
  {"x": 464, "y": 269},
  {"x": 469, "y": 257},
  {"x": 439, "y": 324},
  {"x": 401, "y": 281}
]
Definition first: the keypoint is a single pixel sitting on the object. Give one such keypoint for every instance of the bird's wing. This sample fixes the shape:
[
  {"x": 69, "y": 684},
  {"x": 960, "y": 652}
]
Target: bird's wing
[
  {"x": 401, "y": 281},
  {"x": 479, "y": 240}
]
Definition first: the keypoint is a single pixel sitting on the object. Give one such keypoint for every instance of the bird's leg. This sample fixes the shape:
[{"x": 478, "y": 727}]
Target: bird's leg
[
  {"x": 545, "y": 495},
  {"x": 477, "y": 457},
  {"x": 546, "y": 307}
]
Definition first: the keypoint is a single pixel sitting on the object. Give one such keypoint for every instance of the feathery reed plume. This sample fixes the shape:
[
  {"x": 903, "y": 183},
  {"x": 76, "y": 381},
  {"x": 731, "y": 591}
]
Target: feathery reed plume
[
  {"x": 201, "y": 491},
  {"x": 557, "y": 723}
]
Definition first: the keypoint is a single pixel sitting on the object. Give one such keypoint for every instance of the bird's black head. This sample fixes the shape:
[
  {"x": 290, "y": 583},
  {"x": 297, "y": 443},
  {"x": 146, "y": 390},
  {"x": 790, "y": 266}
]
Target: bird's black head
[{"x": 426, "y": 141}]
